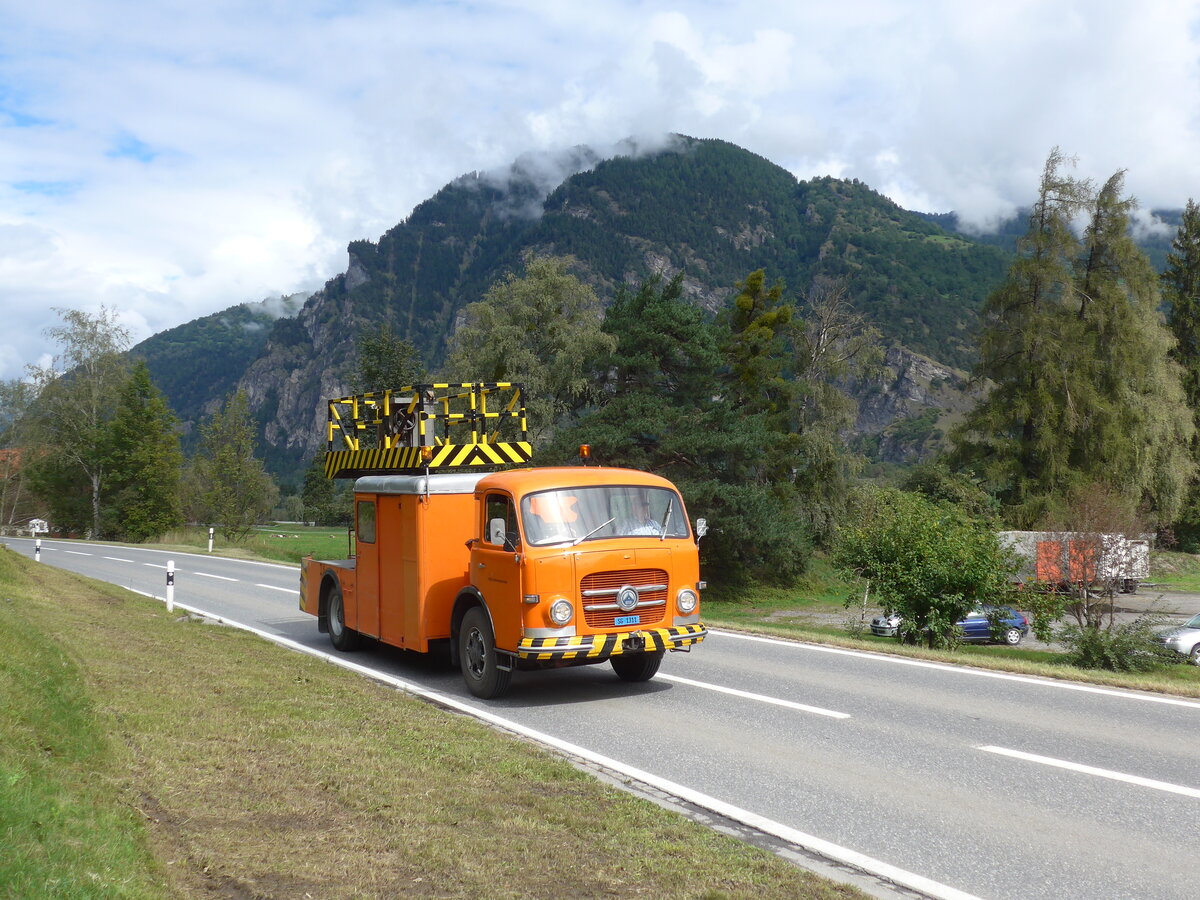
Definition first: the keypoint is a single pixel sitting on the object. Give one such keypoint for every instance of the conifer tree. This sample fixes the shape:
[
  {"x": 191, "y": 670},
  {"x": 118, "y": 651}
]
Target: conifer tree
[
  {"x": 229, "y": 485},
  {"x": 142, "y": 493},
  {"x": 1181, "y": 289}
]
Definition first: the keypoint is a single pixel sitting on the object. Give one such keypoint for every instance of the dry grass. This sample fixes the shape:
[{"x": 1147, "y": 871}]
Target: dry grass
[{"x": 257, "y": 772}]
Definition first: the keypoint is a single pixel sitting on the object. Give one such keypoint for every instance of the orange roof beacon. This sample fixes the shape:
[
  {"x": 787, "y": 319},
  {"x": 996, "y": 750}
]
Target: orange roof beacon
[{"x": 527, "y": 568}]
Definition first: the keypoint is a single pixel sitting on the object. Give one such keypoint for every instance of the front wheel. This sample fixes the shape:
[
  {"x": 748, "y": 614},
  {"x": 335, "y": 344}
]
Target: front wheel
[
  {"x": 637, "y": 666},
  {"x": 343, "y": 638},
  {"x": 477, "y": 656},
  {"x": 1012, "y": 636},
  {"x": 1195, "y": 655}
]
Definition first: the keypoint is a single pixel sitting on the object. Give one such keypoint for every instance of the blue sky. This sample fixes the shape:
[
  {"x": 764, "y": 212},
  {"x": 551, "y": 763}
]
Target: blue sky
[{"x": 173, "y": 159}]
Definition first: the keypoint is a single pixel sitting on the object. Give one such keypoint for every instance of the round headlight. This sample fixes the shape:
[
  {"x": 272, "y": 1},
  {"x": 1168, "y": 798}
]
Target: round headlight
[
  {"x": 561, "y": 611},
  {"x": 686, "y": 600}
]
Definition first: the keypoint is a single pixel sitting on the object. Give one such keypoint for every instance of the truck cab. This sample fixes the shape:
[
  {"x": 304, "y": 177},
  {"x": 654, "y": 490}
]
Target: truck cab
[{"x": 572, "y": 566}]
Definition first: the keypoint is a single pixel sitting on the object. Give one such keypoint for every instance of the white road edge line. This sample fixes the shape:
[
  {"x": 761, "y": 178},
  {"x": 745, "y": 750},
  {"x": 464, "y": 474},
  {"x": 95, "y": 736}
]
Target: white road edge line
[
  {"x": 210, "y": 575},
  {"x": 761, "y": 698},
  {"x": 273, "y": 587},
  {"x": 1092, "y": 770},
  {"x": 964, "y": 670},
  {"x": 853, "y": 858}
]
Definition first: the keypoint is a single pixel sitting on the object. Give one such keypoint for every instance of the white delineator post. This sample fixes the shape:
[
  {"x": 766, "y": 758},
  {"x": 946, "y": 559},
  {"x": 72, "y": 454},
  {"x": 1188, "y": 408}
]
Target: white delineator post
[
  {"x": 37, "y": 550},
  {"x": 170, "y": 585},
  {"x": 210, "y": 535}
]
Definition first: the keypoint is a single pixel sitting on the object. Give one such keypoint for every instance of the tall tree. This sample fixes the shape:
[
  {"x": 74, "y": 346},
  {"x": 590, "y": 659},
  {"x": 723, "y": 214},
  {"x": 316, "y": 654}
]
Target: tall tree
[
  {"x": 16, "y": 397},
  {"x": 543, "y": 329},
  {"x": 142, "y": 493},
  {"x": 1082, "y": 390},
  {"x": 785, "y": 365},
  {"x": 1132, "y": 423},
  {"x": 1012, "y": 436},
  {"x": 228, "y": 484},
  {"x": 1181, "y": 289},
  {"x": 76, "y": 400}
]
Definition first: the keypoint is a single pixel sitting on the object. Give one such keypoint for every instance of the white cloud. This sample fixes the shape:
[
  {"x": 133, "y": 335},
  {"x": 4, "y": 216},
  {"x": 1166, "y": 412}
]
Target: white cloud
[{"x": 173, "y": 160}]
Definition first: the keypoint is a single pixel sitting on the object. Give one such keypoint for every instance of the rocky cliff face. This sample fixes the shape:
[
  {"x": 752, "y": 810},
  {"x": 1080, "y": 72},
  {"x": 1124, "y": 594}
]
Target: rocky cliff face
[{"x": 905, "y": 412}]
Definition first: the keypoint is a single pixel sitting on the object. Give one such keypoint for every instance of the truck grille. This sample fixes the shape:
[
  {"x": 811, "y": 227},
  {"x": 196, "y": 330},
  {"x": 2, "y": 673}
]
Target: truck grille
[{"x": 599, "y": 590}]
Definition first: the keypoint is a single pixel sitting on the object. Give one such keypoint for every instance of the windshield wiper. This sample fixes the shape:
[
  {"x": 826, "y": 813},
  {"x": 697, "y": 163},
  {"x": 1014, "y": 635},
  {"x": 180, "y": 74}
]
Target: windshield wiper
[
  {"x": 666, "y": 519},
  {"x": 580, "y": 540}
]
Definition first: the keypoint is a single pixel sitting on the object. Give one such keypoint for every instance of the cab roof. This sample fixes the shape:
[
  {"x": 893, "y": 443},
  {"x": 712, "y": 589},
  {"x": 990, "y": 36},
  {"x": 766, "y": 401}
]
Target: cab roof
[{"x": 519, "y": 482}]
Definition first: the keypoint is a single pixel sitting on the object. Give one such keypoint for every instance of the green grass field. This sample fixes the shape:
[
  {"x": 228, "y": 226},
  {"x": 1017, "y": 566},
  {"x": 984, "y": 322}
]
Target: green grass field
[{"x": 150, "y": 755}]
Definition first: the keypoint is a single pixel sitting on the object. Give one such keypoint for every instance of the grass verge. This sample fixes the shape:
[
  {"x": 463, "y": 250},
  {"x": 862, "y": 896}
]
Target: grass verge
[{"x": 157, "y": 756}]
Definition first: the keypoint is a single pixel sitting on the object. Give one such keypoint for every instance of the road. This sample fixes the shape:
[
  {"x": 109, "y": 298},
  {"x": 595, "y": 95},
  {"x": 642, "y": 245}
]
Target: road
[{"x": 988, "y": 785}]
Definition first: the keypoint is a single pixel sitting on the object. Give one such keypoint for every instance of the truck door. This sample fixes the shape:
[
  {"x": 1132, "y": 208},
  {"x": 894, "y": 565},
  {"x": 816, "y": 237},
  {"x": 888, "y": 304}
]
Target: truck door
[
  {"x": 367, "y": 568},
  {"x": 496, "y": 568}
]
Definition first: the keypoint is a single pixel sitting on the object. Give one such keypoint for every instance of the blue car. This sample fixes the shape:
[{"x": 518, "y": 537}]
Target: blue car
[{"x": 976, "y": 627}]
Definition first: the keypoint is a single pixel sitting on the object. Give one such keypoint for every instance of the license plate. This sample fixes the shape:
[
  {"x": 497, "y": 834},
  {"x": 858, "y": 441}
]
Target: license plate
[{"x": 627, "y": 620}]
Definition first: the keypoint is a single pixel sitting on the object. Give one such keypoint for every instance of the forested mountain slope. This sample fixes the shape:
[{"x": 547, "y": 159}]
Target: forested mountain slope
[{"x": 707, "y": 208}]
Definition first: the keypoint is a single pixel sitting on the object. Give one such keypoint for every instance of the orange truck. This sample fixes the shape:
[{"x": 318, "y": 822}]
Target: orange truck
[{"x": 527, "y": 568}]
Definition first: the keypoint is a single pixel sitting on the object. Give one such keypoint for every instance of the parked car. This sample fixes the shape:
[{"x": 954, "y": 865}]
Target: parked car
[
  {"x": 976, "y": 626},
  {"x": 1184, "y": 638}
]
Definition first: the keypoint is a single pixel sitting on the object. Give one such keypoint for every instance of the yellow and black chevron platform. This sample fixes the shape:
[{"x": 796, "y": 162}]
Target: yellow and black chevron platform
[
  {"x": 408, "y": 460},
  {"x": 602, "y": 646}
]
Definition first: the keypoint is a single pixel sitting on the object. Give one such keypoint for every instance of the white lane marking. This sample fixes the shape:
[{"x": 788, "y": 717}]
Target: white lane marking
[
  {"x": 118, "y": 559},
  {"x": 273, "y": 587},
  {"x": 154, "y": 565},
  {"x": 210, "y": 575},
  {"x": 1092, "y": 770},
  {"x": 966, "y": 670},
  {"x": 295, "y": 567},
  {"x": 919, "y": 883},
  {"x": 77, "y": 552},
  {"x": 761, "y": 698}
]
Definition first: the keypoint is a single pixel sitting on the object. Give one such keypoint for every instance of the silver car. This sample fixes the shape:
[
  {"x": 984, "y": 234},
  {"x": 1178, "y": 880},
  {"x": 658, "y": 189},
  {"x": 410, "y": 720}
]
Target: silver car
[{"x": 1184, "y": 638}]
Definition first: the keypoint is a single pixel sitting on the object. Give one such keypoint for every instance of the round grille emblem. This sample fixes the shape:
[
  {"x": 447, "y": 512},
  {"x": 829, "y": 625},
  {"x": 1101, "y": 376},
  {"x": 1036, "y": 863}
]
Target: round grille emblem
[{"x": 627, "y": 598}]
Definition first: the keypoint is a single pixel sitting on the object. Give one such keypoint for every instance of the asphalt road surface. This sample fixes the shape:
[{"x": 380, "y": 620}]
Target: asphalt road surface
[{"x": 985, "y": 784}]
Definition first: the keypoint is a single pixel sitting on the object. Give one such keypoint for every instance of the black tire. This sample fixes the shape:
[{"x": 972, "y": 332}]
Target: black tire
[
  {"x": 1195, "y": 655},
  {"x": 1012, "y": 636},
  {"x": 637, "y": 666},
  {"x": 477, "y": 656},
  {"x": 343, "y": 638}
]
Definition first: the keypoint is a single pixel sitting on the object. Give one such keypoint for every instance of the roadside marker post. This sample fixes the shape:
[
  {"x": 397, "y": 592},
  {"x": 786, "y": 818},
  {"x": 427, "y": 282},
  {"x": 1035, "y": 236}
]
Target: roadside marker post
[
  {"x": 170, "y": 585},
  {"x": 210, "y": 537},
  {"x": 37, "y": 550}
]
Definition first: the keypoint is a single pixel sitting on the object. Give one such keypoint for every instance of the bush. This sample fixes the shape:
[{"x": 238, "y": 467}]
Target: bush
[
  {"x": 924, "y": 560},
  {"x": 1122, "y": 647}
]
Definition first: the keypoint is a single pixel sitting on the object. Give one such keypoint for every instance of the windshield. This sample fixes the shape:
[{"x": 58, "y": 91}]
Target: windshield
[{"x": 574, "y": 515}]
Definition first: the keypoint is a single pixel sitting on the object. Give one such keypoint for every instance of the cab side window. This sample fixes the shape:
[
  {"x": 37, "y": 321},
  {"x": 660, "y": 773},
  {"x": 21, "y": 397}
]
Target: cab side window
[
  {"x": 366, "y": 521},
  {"x": 500, "y": 522}
]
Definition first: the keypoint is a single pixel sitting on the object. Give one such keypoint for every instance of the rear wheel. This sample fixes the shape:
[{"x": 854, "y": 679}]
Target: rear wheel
[
  {"x": 1195, "y": 655},
  {"x": 478, "y": 658},
  {"x": 343, "y": 638},
  {"x": 637, "y": 666},
  {"x": 1012, "y": 636}
]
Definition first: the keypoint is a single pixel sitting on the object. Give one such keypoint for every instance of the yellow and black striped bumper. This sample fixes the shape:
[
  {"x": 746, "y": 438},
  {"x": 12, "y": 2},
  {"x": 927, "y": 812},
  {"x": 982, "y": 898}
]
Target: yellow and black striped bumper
[{"x": 602, "y": 646}]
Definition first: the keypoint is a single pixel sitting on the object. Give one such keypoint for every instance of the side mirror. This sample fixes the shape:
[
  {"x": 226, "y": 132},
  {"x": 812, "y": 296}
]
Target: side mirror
[{"x": 701, "y": 528}]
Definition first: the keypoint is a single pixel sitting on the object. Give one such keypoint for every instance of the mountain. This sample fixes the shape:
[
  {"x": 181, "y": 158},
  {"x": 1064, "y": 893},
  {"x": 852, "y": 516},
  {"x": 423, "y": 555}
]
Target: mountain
[{"x": 706, "y": 208}]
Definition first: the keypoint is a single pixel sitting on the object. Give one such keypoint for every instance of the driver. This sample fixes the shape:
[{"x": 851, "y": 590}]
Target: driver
[{"x": 641, "y": 521}]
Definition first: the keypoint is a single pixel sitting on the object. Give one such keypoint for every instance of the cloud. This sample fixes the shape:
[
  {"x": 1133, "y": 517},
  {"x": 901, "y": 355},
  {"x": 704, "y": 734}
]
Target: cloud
[{"x": 176, "y": 160}]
